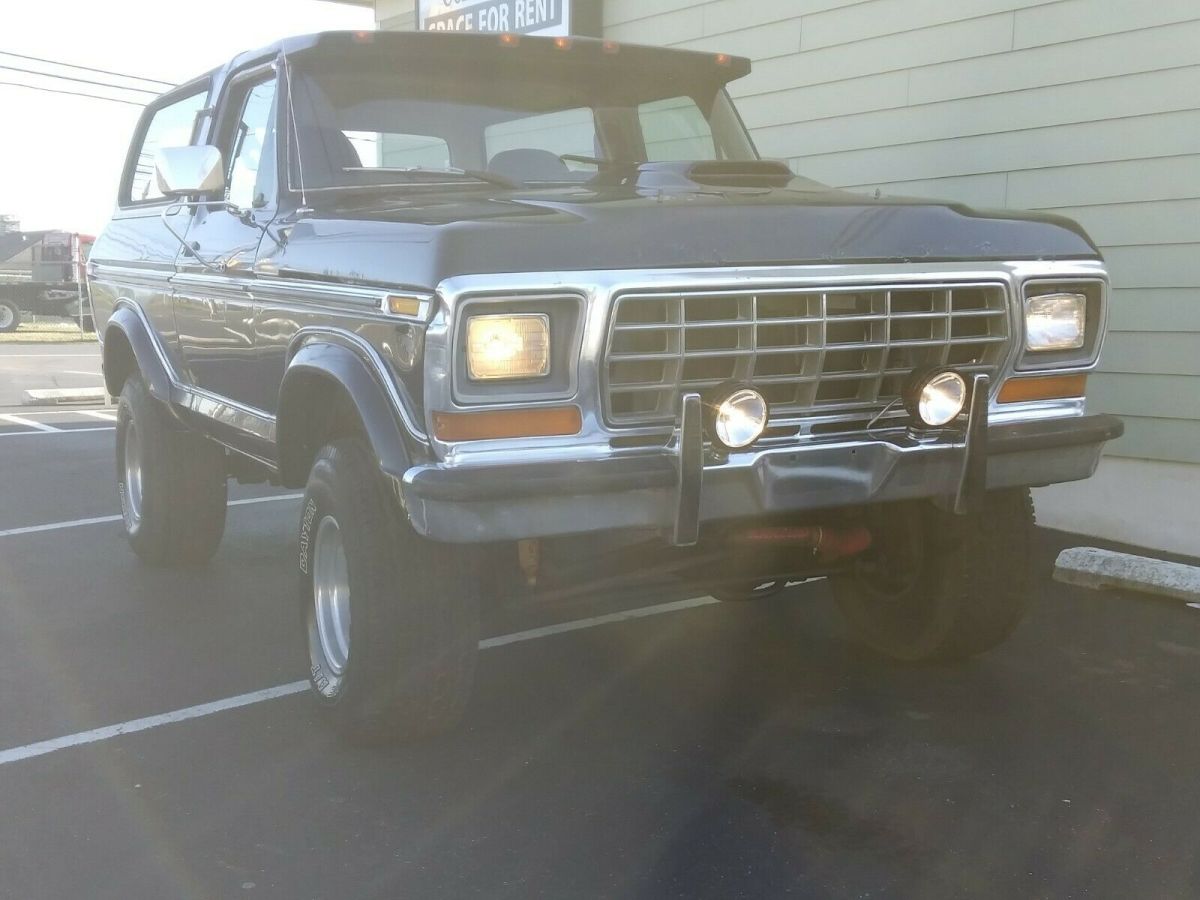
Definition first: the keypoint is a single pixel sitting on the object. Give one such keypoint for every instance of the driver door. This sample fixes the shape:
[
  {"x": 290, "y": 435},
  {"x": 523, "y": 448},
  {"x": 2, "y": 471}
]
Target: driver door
[{"x": 214, "y": 303}]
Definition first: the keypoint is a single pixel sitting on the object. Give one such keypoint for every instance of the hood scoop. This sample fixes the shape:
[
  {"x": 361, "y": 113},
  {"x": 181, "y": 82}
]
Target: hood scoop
[{"x": 764, "y": 173}]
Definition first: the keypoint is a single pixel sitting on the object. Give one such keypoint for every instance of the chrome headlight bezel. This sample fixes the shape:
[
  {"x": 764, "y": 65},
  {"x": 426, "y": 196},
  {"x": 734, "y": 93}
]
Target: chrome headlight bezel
[
  {"x": 1084, "y": 356},
  {"x": 563, "y": 314}
]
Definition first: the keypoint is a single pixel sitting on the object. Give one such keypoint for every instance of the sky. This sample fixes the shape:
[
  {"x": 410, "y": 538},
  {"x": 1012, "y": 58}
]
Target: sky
[{"x": 61, "y": 156}]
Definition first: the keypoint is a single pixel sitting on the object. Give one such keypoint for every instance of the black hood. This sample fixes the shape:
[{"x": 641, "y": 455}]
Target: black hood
[{"x": 417, "y": 239}]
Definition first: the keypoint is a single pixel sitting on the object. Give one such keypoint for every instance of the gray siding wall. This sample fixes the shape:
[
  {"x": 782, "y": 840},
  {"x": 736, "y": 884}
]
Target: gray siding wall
[
  {"x": 396, "y": 15},
  {"x": 1090, "y": 108}
]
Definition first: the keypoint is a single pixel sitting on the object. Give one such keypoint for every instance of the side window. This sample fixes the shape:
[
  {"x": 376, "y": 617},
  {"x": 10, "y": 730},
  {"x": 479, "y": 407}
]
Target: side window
[
  {"x": 252, "y": 154},
  {"x": 569, "y": 131},
  {"x": 675, "y": 129},
  {"x": 171, "y": 126}
]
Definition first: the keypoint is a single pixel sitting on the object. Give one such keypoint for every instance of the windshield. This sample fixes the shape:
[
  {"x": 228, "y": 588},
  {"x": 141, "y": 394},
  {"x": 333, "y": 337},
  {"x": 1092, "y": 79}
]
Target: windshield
[{"x": 359, "y": 128}]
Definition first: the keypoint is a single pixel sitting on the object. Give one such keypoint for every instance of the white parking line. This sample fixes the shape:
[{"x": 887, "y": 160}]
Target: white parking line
[
  {"x": 47, "y": 430},
  {"x": 96, "y": 414},
  {"x": 29, "y": 423},
  {"x": 57, "y": 411},
  {"x": 5, "y": 356},
  {"x": 100, "y": 520},
  {"x": 579, "y": 624},
  {"x": 56, "y": 526},
  {"x": 16, "y": 754}
]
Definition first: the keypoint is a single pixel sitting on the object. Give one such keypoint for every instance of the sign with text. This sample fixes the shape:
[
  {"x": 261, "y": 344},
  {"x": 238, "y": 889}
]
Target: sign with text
[{"x": 548, "y": 17}]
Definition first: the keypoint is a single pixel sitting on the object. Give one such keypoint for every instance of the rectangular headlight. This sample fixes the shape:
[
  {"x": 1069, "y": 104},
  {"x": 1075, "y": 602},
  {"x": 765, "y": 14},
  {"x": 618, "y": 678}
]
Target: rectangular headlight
[
  {"x": 508, "y": 347},
  {"x": 1055, "y": 322}
]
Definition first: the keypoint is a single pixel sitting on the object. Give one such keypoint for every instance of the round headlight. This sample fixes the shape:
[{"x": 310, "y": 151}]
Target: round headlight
[
  {"x": 740, "y": 419},
  {"x": 937, "y": 398}
]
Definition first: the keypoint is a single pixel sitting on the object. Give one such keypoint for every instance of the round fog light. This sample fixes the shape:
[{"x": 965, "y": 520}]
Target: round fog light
[
  {"x": 740, "y": 419},
  {"x": 936, "y": 398}
]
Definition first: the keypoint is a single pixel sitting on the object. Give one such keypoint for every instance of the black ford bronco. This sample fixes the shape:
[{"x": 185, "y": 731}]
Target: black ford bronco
[{"x": 532, "y": 314}]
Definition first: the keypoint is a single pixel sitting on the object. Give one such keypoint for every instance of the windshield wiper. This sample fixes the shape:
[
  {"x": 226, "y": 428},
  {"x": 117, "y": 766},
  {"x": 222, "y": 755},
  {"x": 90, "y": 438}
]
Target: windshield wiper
[
  {"x": 597, "y": 161},
  {"x": 470, "y": 174}
]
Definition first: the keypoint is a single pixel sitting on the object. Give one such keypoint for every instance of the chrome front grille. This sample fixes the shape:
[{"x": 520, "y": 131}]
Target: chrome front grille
[{"x": 811, "y": 352}]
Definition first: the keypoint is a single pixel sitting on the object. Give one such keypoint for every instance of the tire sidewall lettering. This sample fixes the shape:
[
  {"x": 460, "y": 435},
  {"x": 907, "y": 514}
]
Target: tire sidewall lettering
[
  {"x": 320, "y": 680},
  {"x": 306, "y": 521},
  {"x": 325, "y": 684}
]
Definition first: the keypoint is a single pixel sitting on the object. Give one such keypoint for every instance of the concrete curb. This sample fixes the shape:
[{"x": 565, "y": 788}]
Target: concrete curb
[
  {"x": 64, "y": 395},
  {"x": 1091, "y": 567}
]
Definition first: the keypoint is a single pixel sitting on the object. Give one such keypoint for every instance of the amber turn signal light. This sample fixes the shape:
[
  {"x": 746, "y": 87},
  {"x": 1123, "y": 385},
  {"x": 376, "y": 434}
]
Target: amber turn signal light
[
  {"x": 509, "y": 423},
  {"x": 1043, "y": 387},
  {"x": 400, "y": 305}
]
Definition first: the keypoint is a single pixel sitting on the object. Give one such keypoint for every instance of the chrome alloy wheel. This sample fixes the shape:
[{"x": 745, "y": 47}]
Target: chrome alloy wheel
[
  {"x": 133, "y": 476},
  {"x": 6, "y": 317},
  {"x": 331, "y": 605}
]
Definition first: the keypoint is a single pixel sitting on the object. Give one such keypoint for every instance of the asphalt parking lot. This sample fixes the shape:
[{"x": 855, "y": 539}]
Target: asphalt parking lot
[
  {"x": 697, "y": 750},
  {"x": 58, "y": 365}
]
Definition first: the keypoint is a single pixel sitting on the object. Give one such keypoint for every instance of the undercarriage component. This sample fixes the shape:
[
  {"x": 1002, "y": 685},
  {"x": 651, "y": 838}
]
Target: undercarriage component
[
  {"x": 529, "y": 557},
  {"x": 938, "y": 586},
  {"x": 828, "y": 544},
  {"x": 743, "y": 563}
]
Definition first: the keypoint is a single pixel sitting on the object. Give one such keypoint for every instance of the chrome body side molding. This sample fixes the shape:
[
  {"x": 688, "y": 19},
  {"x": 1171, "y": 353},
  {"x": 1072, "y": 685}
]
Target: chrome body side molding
[{"x": 272, "y": 288}]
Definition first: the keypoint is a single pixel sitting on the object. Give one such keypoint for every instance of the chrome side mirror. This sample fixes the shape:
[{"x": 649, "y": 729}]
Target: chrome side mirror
[{"x": 189, "y": 170}]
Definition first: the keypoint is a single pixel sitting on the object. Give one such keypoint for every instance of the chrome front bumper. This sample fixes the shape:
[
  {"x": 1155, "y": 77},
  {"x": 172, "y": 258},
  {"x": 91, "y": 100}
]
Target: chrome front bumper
[{"x": 676, "y": 489}]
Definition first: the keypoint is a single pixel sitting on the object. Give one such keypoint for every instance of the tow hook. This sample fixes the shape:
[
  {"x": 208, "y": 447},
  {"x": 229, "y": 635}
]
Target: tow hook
[{"x": 827, "y": 544}]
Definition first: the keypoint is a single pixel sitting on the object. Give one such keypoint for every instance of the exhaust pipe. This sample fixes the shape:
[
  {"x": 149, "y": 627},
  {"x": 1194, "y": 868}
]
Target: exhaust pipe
[{"x": 826, "y": 544}]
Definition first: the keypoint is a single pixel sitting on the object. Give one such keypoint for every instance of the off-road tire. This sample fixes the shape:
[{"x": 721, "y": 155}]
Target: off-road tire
[
  {"x": 10, "y": 316},
  {"x": 181, "y": 514},
  {"x": 414, "y": 608},
  {"x": 968, "y": 589}
]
